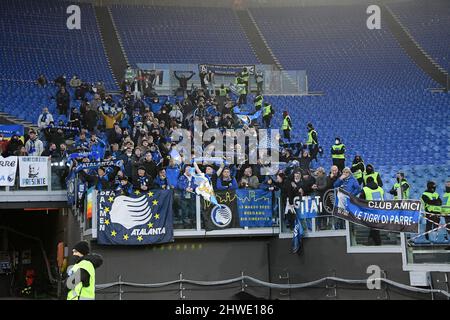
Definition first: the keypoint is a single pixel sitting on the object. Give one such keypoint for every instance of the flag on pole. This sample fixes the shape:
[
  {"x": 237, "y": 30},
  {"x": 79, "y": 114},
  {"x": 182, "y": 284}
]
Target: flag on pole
[
  {"x": 298, "y": 235},
  {"x": 204, "y": 187}
]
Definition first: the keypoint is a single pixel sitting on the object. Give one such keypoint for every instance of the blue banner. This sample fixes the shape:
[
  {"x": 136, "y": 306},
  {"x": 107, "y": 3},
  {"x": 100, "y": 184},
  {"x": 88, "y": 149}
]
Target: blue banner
[
  {"x": 254, "y": 208},
  {"x": 307, "y": 207},
  {"x": 96, "y": 165},
  {"x": 297, "y": 236},
  {"x": 71, "y": 188},
  {"x": 93, "y": 155},
  {"x": 144, "y": 218},
  {"x": 9, "y": 129},
  {"x": 394, "y": 215}
]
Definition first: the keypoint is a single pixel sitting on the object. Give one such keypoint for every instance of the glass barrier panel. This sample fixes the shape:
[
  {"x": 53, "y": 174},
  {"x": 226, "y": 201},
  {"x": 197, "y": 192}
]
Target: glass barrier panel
[
  {"x": 363, "y": 236},
  {"x": 428, "y": 248},
  {"x": 184, "y": 210},
  {"x": 270, "y": 79},
  {"x": 328, "y": 223},
  {"x": 59, "y": 172}
]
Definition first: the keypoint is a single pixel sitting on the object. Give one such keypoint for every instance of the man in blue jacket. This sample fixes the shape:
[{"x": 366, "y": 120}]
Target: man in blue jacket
[
  {"x": 347, "y": 182},
  {"x": 186, "y": 183}
]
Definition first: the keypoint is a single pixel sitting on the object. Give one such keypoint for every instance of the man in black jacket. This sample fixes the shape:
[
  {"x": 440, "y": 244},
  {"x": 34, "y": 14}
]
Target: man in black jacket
[
  {"x": 150, "y": 166},
  {"x": 91, "y": 118},
  {"x": 14, "y": 144},
  {"x": 62, "y": 101},
  {"x": 374, "y": 234},
  {"x": 83, "y": 258},
  {"x": 183, "y": 81},
  {"x": 432, "y": 206},
  {"x": 102, "y": 181},
  {"x": 142, "y": 181}
]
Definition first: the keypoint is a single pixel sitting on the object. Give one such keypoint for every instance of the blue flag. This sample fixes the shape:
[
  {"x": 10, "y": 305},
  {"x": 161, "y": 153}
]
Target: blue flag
[
  {"x": 71, "y": 188},
  {"x": 144, "y": 218},
  {"x": 298, "y": 235},
  {"x": 8, "y": 130}
]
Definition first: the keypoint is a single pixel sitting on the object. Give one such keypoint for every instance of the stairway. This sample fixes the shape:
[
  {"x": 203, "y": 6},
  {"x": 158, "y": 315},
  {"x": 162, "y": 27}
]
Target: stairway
[
  {"x": 256, "y": 39},
  {"x": 111, "y": 43},
  {"x": 413, "y": 48},
  {"x": 6, "y": 118}
]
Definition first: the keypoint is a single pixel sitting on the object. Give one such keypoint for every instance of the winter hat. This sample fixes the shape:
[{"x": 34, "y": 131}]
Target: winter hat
[{"x": 82, "y": 247}]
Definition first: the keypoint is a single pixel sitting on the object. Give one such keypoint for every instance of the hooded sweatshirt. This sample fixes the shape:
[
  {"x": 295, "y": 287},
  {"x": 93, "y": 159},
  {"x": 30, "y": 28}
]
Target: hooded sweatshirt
[{"x": 96, "y": 261}]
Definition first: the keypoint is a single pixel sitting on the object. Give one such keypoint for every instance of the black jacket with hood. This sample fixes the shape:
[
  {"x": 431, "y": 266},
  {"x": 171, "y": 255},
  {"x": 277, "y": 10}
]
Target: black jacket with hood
[{"x": 96, "y": 261}]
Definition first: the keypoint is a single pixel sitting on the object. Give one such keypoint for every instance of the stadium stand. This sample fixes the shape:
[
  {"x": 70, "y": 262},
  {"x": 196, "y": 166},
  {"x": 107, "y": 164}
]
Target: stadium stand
[
  {"x": 429, "y": 24},
  {"x": 156, "y": 34},
  {"x": 35, "y": 40},
  {"x": 369, "y": 82},
  {"x": 376, "y": 98}
]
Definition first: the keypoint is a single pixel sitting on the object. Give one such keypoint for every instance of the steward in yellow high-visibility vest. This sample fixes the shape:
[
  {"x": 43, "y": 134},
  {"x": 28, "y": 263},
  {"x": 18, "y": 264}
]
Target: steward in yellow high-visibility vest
[
  {"x": 312, "y": 142},
  {"x": 372, "y": 191},
  {"x": 373, "y": 194},
  {"x": 258, "y": 101},
  {"x": 370, "y": 172},
  {"x": 403, "y": 184},
  {"x": 267, "y": 114},
  {"x": 446, "y": 197},
  {"x": 223, "y": 91},
  {"x": 245, "y": 75},
  {"x": 432, "y": 206},
  {"x": 81, "y": 281},
  {"x": 242, "y": 90},
  {"x": 338, "y": 154},
  {"x": 286, "y": 126},
  {"x": 358, "y": 168}
]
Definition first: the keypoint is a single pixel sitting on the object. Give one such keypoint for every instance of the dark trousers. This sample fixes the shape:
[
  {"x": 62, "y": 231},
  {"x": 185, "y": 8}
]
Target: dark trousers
[
  {"x": 375, "y": 236},
  {"x": 340, "y": 163},
  {"x": 260, "y": 87},
  {"x": 430, "y": 225},
  {"x": 287, "y": 134},
  {"x": 62, "y": 110},
  {"x": 243, "y": 99},
  {"x": 267, "y": 120},
  {"x": 313, "y": 151}
]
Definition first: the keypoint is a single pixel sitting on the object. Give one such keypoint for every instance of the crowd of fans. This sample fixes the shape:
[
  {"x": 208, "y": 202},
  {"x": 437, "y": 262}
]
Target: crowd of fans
[{"x": 136, "y": 128}]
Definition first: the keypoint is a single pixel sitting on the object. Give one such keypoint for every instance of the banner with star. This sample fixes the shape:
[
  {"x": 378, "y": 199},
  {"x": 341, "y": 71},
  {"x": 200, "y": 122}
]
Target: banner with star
[
  {"x": 143, "y": 218},
  {"x": 224, "y": 214}
]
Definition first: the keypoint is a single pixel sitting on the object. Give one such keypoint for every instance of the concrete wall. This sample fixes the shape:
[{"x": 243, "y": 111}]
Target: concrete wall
[
  {"x": 262, "y": 258},
  {"x": 231, "y": 3}
]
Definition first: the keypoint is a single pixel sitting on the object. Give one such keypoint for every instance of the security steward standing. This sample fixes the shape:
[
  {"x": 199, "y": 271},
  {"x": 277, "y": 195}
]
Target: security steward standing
[
  {"x": 258, "y": 101},
  {"x": 400, "y": 184},
  {"x": 286, "y": 126},
  {"x": 267, "y": 114},
  {"x": 338, "y": 154},
  {"x": 372, "y": 191},
  {"x": 432, "y": 206},
  {"x": 358, "y": 168},
  {"x": 312, "y": 142},
  {"x": 446, "y": 197},
  {"x": 81, "y": 281}
]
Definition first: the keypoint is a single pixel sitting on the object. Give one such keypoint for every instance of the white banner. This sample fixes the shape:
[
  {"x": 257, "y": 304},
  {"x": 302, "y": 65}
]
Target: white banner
[
  {"x": 33, "y": 171},
  {"x": 8, "y": 167}
]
